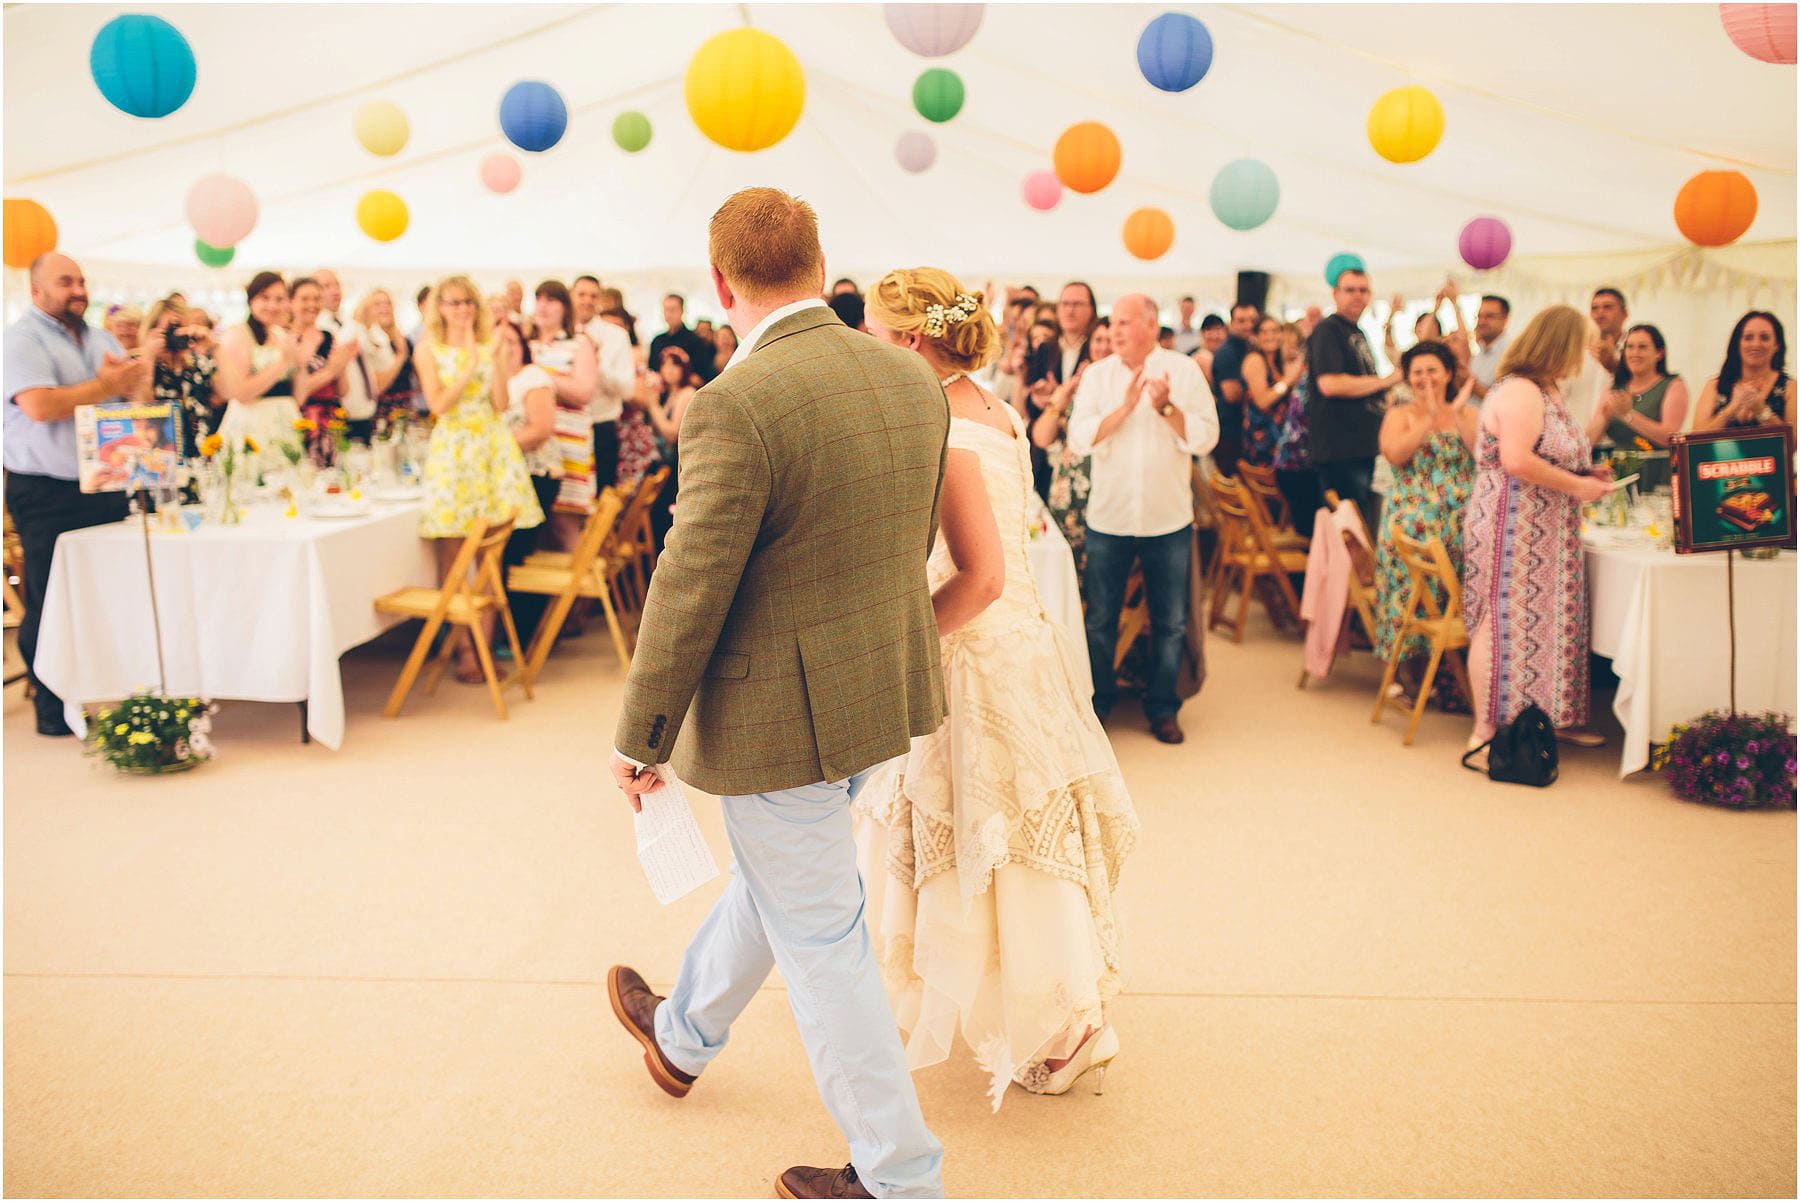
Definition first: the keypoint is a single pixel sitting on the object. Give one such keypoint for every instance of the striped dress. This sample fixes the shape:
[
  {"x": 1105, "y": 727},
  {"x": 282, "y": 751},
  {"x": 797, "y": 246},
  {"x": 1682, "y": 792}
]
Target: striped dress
[{"x": 1523, "y": 567}]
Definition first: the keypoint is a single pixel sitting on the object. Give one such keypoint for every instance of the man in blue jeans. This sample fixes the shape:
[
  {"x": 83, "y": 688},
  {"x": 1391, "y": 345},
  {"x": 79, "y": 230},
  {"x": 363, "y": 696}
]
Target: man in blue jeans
[{"x": 1143, "y": 413}]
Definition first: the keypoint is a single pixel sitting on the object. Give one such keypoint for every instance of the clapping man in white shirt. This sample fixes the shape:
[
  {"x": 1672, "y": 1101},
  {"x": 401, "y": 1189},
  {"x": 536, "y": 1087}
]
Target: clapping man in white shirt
[{"x": 1143, "y": 413}]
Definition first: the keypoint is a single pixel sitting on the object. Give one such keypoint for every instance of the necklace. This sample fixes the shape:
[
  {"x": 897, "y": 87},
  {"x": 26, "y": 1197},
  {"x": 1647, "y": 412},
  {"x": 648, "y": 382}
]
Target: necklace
[{"x": 954, "y": 376}]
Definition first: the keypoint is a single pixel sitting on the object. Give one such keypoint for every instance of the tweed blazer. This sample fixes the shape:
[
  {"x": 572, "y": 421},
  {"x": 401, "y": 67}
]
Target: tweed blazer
[{"x": 788, "y": 637}]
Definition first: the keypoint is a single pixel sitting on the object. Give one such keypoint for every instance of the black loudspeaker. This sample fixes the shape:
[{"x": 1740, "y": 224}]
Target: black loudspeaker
[{"x": 1253, "y": 289}]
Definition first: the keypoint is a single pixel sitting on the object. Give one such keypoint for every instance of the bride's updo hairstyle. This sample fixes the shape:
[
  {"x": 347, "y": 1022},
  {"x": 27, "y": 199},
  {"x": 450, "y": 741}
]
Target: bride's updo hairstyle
[{"x": 928, "y": 301}]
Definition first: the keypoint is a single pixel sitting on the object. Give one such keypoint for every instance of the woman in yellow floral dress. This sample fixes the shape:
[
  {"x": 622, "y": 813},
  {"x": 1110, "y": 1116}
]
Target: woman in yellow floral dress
[{"x": 473, "y": 468}]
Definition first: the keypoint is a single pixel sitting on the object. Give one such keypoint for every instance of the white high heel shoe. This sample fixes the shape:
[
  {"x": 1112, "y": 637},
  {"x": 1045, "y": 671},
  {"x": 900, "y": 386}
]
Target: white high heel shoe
[{"x": 1091, "y": 1057}]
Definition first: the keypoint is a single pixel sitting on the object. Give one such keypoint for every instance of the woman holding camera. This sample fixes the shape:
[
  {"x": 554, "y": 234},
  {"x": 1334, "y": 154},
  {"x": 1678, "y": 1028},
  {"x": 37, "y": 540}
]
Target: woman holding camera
[{"x": 184, "y": 369}]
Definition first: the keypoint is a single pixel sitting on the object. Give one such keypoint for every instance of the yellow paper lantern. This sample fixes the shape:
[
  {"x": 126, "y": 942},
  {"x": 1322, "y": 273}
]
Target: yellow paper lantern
[
  {"x": 745, "y": 89},
  {"x": 382, "y": 215},
  {"x": 1087, "y": 157},
  {"x": 30, "y": 232},
  {"x": 1712, "y": 209},
  {"x": 381, "y": 127},
  {"x": 1406, "y": 124},
  {"x": 1149, "y": 233}
]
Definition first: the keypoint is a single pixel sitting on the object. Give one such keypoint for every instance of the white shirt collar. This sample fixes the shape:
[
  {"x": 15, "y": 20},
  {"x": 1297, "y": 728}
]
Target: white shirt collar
[{"x": 762, "y": 327}]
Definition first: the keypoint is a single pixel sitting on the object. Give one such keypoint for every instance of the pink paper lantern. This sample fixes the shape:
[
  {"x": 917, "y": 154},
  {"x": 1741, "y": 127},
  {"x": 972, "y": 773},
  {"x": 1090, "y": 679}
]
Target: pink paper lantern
[
  {"x": 1042, "y": 190},
  {"x": 221, "y": 209},
  {"x": 915, "y": 151},
  {"x": 1485, "y": 242},
  {"x": 1763, "y": 31},
  {"x": 500, "y": 172}
]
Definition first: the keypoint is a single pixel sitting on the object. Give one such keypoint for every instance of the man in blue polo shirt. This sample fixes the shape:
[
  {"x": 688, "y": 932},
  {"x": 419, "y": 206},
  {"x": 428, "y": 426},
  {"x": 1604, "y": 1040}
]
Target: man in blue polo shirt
[{"x": 54, "y": 365}]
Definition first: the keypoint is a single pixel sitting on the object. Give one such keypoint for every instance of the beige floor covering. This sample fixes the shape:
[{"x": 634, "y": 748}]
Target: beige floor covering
[{"x": 1355, "y": 969}]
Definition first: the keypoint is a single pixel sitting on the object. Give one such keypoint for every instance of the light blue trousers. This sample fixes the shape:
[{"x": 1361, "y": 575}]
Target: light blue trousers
[{"x": 795, "y": 900}]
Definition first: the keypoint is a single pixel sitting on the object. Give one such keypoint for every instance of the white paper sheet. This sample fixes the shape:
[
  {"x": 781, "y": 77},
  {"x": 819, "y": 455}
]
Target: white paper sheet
[{"x": 675, "y": 857}]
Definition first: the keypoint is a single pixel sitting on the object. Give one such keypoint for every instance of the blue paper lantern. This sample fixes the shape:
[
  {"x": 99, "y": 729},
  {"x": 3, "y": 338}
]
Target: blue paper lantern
[
  {"x": 533, "y": 115},
  {"x": 1340, "y": 264},
  {"x": 1174, "y": 52},
  {"x": 142, "y": 65},
  {"x": 1245, "y": 193}
]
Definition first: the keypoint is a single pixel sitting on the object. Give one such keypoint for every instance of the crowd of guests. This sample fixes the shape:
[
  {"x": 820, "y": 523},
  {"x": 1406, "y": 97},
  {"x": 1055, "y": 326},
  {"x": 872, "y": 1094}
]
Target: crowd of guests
[{"x": 1472, "y": 436}]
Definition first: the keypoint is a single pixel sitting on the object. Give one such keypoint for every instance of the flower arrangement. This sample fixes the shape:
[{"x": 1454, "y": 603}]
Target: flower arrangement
[
  {"x": 148, "y": 733},
  {"x": 339, "y": 428},
  {"x": 230, "y": 458},
  {"x": 1741, "y": 761}
]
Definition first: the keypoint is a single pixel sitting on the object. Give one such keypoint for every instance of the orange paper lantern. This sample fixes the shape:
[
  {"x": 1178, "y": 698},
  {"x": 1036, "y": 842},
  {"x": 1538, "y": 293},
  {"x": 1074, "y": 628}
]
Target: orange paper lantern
[
  {"x": 30, "y": 232},
  {"x": 1149, "y": 233},
  {"x": 1715, "y": 208},
  {"x": 1087, "y": 157}
]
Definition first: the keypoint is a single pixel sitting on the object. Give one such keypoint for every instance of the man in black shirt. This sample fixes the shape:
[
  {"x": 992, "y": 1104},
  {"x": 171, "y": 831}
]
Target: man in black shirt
[
  {"x": 699, "y": 351},
  {"x": 1228, "y": 387},
  {"x": 1349, "y": 398}
]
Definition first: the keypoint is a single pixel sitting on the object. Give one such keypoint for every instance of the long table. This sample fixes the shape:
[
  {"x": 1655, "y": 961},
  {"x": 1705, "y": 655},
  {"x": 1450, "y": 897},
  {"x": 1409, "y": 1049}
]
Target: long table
[
  {"x": 1661, "y": 619},
  {"x": 255, "y": 612}
]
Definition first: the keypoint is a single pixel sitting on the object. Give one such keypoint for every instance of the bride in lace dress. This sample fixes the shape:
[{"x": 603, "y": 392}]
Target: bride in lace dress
[{"x": 990, "y": 850}]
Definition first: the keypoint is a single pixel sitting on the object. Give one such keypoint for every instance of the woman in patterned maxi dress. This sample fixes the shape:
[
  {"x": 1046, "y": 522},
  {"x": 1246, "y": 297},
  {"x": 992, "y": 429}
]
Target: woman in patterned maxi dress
[{"x": 1524, "y": 583}]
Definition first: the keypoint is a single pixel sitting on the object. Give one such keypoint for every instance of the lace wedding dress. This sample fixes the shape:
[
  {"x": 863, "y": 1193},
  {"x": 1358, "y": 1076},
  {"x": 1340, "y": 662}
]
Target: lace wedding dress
[{"x": 991, "y": 848}]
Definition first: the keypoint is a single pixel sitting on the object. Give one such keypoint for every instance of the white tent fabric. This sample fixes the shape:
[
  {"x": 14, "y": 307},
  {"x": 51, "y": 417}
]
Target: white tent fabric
[{"x": 1576, "y": 124}]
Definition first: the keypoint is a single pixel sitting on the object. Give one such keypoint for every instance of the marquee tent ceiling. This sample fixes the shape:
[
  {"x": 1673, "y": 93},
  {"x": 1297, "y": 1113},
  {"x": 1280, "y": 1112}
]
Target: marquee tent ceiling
[{"x": 1576, "y": 124}]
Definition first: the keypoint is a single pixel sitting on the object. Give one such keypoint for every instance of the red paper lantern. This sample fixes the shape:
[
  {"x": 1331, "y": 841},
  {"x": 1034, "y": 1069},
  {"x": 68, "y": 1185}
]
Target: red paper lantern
[
  {"x": 1715, "y": 208},
  {"x": 1763, "y": 31}
]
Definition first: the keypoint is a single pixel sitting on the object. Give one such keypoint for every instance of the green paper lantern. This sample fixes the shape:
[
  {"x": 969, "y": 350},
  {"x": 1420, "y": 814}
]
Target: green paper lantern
[
  {"x": 938, "y": 94},
  {"x": 631, "y": 131},
  {"x": 214, "y": 256}
]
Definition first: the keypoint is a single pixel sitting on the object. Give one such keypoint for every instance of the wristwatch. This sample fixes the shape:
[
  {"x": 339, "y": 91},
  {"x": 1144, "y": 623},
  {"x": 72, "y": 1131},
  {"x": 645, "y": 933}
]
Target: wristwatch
[{"x": 1168, "y": 407}]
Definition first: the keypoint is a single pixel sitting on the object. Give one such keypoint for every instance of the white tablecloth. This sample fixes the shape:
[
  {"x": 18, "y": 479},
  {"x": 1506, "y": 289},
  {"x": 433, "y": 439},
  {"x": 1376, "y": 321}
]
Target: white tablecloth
[
  {"x": 255, "y": 612},
  {"x": 1060, "y": 590},
  {"x": 1661, "y": 618}
]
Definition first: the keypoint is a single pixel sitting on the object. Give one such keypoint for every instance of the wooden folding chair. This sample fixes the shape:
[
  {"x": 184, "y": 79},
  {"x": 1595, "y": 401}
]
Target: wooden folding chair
[
  {"x": 1249, "y": 554},
  {"x": 1259, "y": 485},
  {"x": 1439, "y": 623},
  {"x": 470, "y": 591},
  {"x": 1134, "y": 616},
  {"x": 568, "y": 575},
  {"x": 639, "y": 540},
  {"x": 13, "y": 568}
]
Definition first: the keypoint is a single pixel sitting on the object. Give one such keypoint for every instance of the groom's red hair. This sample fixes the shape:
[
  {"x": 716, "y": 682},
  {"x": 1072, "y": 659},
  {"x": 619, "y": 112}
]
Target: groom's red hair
[{"x": 766, "y": 244}]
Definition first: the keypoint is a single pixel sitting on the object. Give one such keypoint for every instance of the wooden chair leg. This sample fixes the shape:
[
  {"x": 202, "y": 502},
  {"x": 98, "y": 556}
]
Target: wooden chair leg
[
  {"x": 410, "y": 673},
  {"x": 1301, "y": 684},
  {"x": 612, "y": 625},
  {"x": 1412, "y": 728},
  {"x": 493, "y": 678},
  {"x": 1387, "y": 679},
  {"x": 512, "y": 639},
  {"x": 434, "y": 675},
  {"x": 548, "y": 627}
]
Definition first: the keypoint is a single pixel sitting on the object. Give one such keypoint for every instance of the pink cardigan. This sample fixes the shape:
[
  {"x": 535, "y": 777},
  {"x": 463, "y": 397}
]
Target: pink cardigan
[{"x": 1328, "y": 568}]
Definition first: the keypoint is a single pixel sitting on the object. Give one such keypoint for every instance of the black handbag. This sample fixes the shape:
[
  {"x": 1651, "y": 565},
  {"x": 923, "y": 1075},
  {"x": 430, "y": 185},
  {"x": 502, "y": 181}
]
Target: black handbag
[{"x": 1522, "y": 752}]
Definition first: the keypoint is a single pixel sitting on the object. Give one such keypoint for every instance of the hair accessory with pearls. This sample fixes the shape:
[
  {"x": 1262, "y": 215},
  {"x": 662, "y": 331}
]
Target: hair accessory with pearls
[{"x": 938, "y": 319}]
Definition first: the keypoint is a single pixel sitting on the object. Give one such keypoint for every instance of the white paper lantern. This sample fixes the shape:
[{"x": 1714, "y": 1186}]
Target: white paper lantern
[{"x": 933, "y": 30}]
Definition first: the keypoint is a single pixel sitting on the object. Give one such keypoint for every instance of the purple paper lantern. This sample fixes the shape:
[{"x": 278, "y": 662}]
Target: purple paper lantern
[
  {"x": 1042, "y": 190},
  {"x": 915, "y": 151},
  {"x": 1485, "y": 243}
]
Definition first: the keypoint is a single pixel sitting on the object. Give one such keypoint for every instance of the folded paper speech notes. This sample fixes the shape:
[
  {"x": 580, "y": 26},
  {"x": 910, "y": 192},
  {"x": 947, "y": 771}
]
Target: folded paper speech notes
[{"x": 675, "y": 857}]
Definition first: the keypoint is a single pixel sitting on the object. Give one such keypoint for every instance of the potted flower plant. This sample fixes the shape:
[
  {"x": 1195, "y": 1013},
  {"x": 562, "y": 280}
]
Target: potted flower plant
[{"x": 148, "y": 733}]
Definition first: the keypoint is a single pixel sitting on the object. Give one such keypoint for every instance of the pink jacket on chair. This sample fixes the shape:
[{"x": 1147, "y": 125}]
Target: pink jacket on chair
[{"x": 1328, "y": 568}]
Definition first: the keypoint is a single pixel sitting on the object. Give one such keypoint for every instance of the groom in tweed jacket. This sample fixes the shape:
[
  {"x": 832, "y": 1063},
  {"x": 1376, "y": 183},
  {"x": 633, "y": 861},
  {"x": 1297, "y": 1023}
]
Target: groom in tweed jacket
[{"x": 788, "y": 645}]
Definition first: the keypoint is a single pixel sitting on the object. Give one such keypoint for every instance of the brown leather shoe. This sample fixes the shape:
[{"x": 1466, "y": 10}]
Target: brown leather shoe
[
  {"x": 1167, "y": 730},
  {"x": 635, "y": 1007},
  {"x": 802, "y": 1182}
]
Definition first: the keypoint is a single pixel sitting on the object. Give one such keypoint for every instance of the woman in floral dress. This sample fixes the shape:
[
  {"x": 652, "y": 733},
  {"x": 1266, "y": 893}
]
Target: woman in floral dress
[
  {"x": 473, "y": 467},
  {"x": 1429, "y": 440},
  {"x": 1070, "y": 474},
  {"x": 1524, "y": 581}
]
